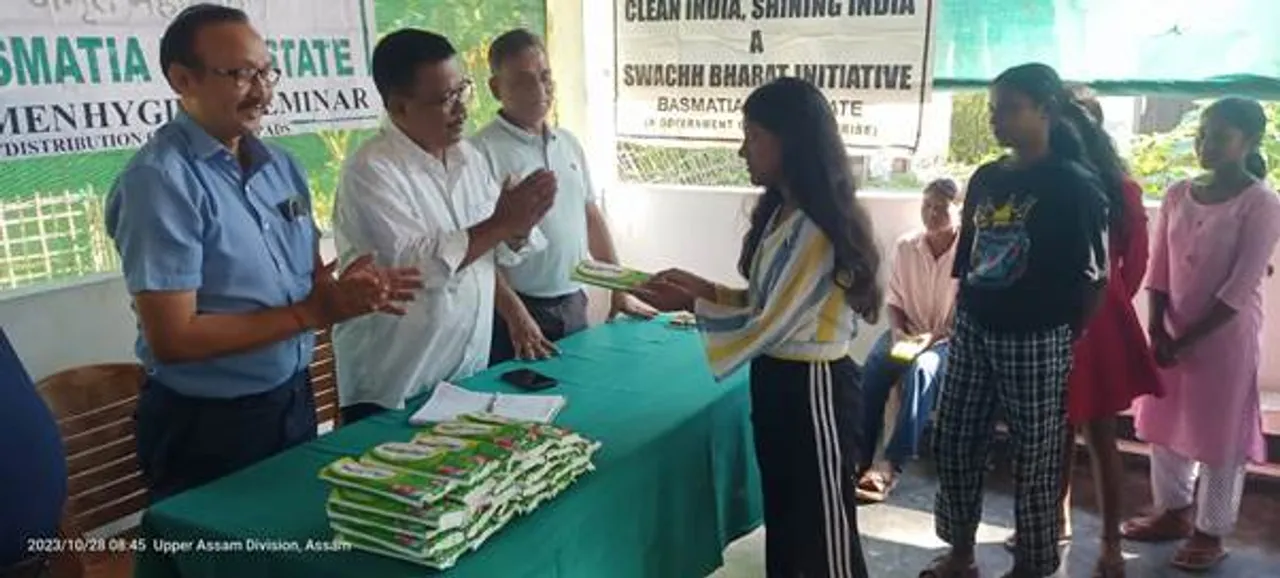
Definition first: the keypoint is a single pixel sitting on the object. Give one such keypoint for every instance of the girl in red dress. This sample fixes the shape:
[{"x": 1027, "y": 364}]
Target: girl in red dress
[{"x": 1113, "y": 364}]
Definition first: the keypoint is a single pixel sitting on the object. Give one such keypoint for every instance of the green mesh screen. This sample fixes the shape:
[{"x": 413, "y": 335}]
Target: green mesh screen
[
  {"x": 1123, "y": 46},
  {"x": 51, "y": 208}
]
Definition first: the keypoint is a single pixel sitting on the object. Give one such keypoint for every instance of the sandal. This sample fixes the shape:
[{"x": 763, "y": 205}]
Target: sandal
[
  {"x": 1195, "y": 558},
  {"x": 944, "y": 567},
  {"x": 1161, "y": 527},
  {"x": 1011, "y": 543},
  {"x": 874, "y": 487}
]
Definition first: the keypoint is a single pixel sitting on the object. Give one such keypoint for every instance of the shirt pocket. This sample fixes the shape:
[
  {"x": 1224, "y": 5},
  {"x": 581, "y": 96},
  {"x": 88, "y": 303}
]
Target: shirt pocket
[
  {"x": 297, "y": 238},
  {"x": 292, "y": 232}
]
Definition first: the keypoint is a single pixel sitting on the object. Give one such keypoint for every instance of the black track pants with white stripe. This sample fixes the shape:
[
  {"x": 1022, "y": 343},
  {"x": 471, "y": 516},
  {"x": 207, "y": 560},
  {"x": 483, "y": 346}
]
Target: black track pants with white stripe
[{"x": 807, "y": 422}]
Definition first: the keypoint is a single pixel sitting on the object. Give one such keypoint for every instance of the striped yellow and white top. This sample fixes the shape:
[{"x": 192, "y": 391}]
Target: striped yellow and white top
[{"x": 792, "y": 309}]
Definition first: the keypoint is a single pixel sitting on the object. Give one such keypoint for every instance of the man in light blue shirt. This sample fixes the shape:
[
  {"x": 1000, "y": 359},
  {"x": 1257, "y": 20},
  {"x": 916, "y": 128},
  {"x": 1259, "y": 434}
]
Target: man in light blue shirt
[
  {"x": 536, "y": 300},
  {"x": 219, "y": 252}
]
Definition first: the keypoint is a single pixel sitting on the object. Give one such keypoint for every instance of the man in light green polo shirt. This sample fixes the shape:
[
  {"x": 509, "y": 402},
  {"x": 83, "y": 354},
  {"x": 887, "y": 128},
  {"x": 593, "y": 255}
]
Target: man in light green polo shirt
[{"x": 536, "y": 300}]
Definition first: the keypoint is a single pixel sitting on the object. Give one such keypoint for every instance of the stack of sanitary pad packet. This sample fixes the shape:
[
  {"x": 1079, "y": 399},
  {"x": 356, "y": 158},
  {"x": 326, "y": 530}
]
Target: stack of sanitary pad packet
[{"x": 442, "y": 494}]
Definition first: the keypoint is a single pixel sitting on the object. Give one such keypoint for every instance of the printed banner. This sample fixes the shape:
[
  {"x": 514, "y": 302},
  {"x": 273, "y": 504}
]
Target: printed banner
[
  {"x": 79, "y": 76},
  {"x": 685, "y": 66}
]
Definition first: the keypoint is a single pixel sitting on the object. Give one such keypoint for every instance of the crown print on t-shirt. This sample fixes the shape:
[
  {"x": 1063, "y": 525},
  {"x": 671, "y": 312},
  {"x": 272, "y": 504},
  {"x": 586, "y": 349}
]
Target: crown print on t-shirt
[{"x": 1001, "y": 244}]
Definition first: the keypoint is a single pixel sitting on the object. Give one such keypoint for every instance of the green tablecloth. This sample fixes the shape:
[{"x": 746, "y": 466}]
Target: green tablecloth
[{"x": 676, "y": 480}]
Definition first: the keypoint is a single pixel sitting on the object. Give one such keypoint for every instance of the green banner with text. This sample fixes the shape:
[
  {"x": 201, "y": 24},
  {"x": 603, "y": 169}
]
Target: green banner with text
[{"x": 83, "y": 76}]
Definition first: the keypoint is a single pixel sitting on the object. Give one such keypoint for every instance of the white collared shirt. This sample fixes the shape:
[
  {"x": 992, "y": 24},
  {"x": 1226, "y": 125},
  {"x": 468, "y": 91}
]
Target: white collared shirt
[
  {"x": 514, "y": 152},
  {"x": 411, "y": 210}
]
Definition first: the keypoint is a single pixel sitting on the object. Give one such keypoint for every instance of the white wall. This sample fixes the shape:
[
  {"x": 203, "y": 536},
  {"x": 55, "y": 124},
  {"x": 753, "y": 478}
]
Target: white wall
[{"x": 86, "y": 321}]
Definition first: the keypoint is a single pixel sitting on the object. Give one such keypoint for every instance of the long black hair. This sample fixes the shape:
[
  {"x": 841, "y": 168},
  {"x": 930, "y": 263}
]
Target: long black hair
[
  {"x": 1103, "y": 155},
  {"x": 816, "y": 171},
  {"x": 1074, "y": 134},
  {"x": 1247, "y": 116}
]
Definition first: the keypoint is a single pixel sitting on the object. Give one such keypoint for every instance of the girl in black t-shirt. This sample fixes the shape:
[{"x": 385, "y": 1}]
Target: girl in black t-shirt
[{"x": 1031, "y": 260}]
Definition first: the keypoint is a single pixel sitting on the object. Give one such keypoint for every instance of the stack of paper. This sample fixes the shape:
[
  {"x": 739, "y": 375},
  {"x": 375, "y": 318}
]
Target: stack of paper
[
  {"x": 608, "y": 276},
  {"x": 449, "y": 401},
  {"x": 441, "y": 495}
]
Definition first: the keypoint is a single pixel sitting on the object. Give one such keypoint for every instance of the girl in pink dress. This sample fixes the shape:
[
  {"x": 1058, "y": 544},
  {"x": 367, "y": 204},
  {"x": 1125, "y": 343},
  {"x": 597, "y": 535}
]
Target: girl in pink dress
[{"x": 1212, "y": 242}]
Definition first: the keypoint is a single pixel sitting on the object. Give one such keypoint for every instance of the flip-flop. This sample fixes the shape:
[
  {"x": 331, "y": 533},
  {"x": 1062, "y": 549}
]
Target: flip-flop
[
  {"x": 1011, "y": 543},
  {"x": 874, "y": 487},
  {"x": 1163, "y": 527},
  {"x": 941, "y": 567},
  {"x": 1197, "y": 559}
]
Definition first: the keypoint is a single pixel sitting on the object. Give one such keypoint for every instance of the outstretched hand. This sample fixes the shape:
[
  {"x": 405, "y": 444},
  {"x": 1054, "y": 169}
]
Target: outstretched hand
[
  {"x": 687, "y": 281},
  {"x": 664, "y": 295}
]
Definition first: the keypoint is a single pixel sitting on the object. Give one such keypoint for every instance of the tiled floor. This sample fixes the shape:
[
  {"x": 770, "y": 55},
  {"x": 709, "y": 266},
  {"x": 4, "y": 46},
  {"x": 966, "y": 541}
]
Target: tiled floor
[{"x": 898, "y": 537}]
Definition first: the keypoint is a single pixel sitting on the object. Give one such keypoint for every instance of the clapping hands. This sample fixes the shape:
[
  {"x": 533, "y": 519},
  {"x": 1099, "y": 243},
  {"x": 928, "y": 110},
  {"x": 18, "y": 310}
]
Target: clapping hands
[
  {"x": 521, "y": 205},
  {"x": 361, "y": 288}
]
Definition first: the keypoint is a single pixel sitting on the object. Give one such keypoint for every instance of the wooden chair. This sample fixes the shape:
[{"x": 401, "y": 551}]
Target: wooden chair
[
  {"x": 324, "y": 380},
  {"x": 94, "y": 407}
]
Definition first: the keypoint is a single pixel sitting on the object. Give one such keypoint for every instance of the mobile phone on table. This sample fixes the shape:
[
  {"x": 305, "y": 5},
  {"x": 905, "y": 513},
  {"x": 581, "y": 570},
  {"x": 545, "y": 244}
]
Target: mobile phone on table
[{"x": 529, "y": 380}]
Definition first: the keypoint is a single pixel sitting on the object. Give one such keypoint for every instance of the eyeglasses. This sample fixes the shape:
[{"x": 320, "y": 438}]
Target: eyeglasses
[
  {"x": 460, "y": 94},
  {"x": 245, "y": 76}
]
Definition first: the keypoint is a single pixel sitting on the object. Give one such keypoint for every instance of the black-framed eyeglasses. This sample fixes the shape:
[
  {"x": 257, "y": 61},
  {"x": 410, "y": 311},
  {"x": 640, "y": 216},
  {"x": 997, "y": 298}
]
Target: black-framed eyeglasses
[{"x": 245, "y": 76}]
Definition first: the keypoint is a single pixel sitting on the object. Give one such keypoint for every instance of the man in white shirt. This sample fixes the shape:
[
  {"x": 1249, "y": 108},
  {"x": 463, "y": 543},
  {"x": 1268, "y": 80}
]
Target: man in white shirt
[
  {"x": 537, "y": 301},
  {"x": 415, "y": 193},
  {"x": 921, "y": 302}
]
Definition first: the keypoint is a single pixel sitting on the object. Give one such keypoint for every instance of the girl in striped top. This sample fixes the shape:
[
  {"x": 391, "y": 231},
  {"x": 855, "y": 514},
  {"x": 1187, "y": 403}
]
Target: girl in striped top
[{"x": 811, "y": 264}]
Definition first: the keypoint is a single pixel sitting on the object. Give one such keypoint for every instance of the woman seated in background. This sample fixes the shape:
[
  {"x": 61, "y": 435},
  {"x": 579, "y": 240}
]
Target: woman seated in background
[{"x": 921, "y": 302}]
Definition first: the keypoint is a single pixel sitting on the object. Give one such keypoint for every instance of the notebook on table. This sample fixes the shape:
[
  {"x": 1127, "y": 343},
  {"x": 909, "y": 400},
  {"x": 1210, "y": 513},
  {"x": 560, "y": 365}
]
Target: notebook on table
[{"x": 449, "y": 401}]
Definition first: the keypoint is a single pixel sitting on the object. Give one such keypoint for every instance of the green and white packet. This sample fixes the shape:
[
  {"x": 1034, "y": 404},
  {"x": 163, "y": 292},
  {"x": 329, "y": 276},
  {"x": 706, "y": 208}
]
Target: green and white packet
[
  {"x": 540, "y": 430},
  {"x": 442, "y": 543},
  {"x": 439, "y": 561},
  {"x": 472, "y": 497},
  {"x": 489, "y": 451},
  {"x": 517, "y": 439},
  {"x": 608, "y": 275},
  {"x": 400, "y": 486},
  {"x": 419, "y": 528},
  {"x": 482, "y": 522},
  {"x": 442, "y": 514},
  {"x": 464, "y": 468}
]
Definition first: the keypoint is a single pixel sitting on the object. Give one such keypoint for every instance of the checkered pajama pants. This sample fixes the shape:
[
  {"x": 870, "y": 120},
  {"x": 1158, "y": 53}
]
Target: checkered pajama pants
[{"x": 1026, "y": 375}]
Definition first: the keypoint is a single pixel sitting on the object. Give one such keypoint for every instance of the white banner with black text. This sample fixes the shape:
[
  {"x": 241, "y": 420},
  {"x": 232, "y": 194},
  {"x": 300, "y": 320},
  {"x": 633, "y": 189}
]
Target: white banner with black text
[{"x": 684, "y": 67}]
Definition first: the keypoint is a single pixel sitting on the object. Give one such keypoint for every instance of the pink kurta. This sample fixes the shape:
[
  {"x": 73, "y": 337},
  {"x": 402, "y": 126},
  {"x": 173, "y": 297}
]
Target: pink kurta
[{"x": 1202, "y": 253}]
